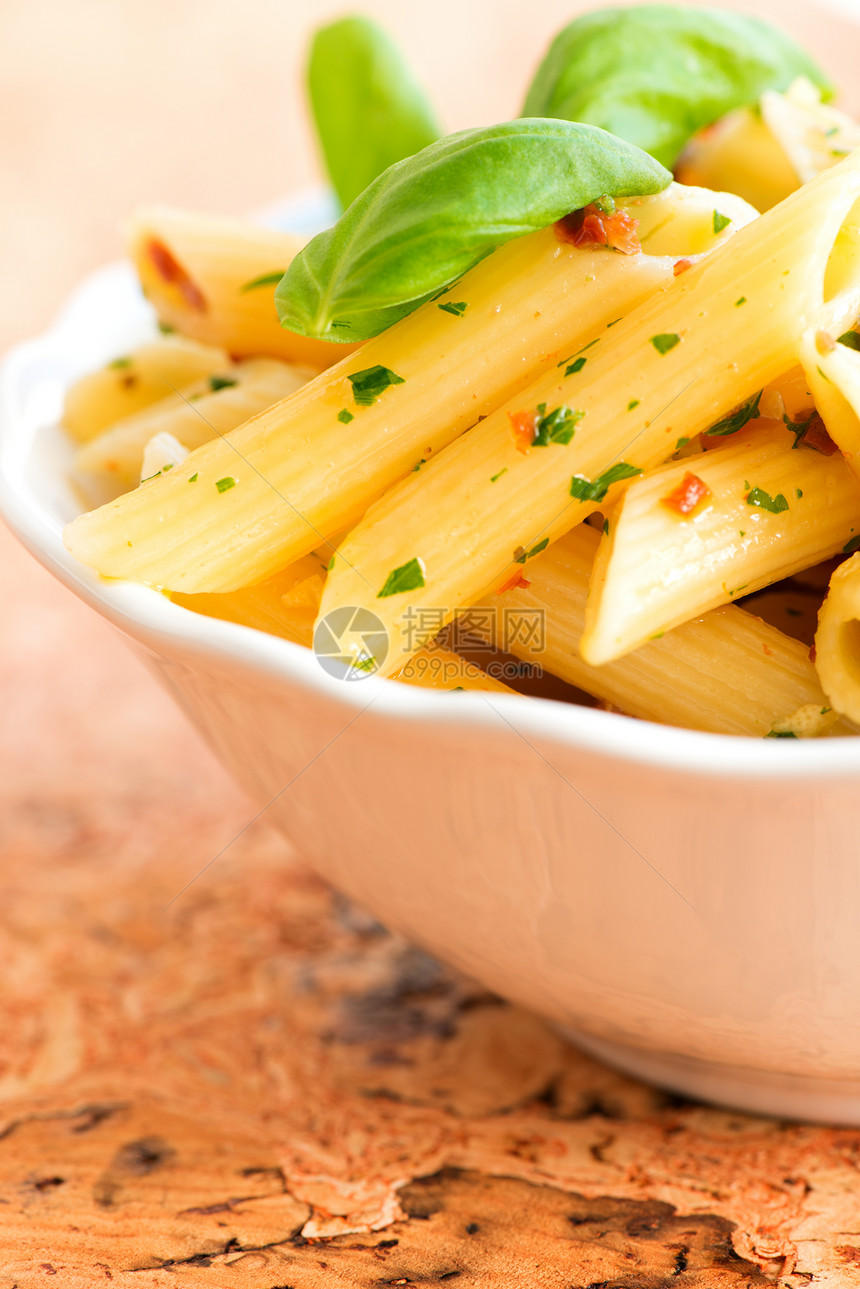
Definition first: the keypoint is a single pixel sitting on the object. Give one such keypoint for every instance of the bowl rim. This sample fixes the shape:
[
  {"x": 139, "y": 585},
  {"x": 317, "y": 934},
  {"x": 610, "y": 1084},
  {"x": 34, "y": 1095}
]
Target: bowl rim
[{"x": 152, "y": 619}]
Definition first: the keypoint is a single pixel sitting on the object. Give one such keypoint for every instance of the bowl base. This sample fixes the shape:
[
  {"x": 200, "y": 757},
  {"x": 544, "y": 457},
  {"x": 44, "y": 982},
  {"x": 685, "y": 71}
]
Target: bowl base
[{"x": 784, "y": 1096}]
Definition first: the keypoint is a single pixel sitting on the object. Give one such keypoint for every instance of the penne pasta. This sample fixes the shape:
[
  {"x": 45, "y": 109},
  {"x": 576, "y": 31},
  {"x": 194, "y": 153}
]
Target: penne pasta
[
  {"x": 833, "y": 373},
  {"x": 693, "y": 535},
  {"x": 286, "y": 606},
  {"x": 198, "y": 271},
  {"x": 309, "y": 467},
  {"x": 837, "y": 640},
  {"x": 475, "y": 515},
  {"x": 194, "y": 415},
  {"x": 135, "y": 381},
  {"x": 727, "y": 672}
]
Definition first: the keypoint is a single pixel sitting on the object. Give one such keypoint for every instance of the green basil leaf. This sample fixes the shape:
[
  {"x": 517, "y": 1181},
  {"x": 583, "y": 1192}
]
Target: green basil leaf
[
  {"x": 654, "y": 74},
  {"x": 428, "y": 219},
  {"x": 368, "y": 110}
]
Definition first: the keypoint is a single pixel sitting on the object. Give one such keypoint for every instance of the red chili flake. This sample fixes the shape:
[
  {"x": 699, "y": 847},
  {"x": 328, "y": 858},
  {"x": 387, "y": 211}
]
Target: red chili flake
[
  {"x": 591, "y": 227},
  {"x": 169, "y": 268},
  {"x": 687, "y": 495},
  {"x": 767, "y": 649},
  {"x": 523, "y": 426},
  {"x": 681, "y": 266},
  {"x": 816, "y": 437},
  {"x": 513, "y": 583}
]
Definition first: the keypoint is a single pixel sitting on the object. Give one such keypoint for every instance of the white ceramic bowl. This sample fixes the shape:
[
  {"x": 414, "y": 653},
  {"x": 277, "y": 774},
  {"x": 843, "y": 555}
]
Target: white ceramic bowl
[{"x": 685, "y": 905}]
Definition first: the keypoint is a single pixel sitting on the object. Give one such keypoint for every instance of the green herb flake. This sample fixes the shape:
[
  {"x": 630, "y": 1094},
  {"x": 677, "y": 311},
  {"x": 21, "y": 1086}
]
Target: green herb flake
[
  {"x": 606, "y": 527},
  {"x": 225, "y": 484},
  {"x": 459, "y": 689},
  {"x": 682, "y": 442},
  {"x": 345, "y": 416},
  {"x": 742, "y": 533},
  {"x": 737, "y": 419},
  {"x": 825, "y": 711},
  {"x": 521, "y": 554},
  {"x": 557, "y": 426},
  {"x": 851, "y": 339},
  {"x": 596, "y": 489},
  {"x": 494, "y": 477},
  {"x": 165, "y": 328},
  {"x": 418, "y": 465},
  {"x": 456, "y": 309},
  {"x": 575, "y": 366},
  {"x": 371, "y": 383},
  {"x": 118, "y": 363},
  {"x": 798, "y": 428},
  {"x": 720, "y": 221},
  {"x": 780, "y": 734},
  {"x": 408, "y": 577},
  {"x": 634, "y": 403},
  {"x": 851, "y": 545},
  {"x": 741, "y": 300},
  {"x": 798, "y": 492},
  {"x": 221, "y": 382},
  {"x": 823, "y": 375},
  {"x": 194, "y": 478},
  {"x": 583, "y": 350},
  {"x": 613, "y": 323},
  {"x": 758, "y": 497},
  {"x": 665, "y": 341},
  {"x": 265, "y": 279}
]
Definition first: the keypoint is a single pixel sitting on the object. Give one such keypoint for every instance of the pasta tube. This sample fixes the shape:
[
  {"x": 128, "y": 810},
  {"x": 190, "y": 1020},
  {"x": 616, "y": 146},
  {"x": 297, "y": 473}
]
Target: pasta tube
[
  {"x": 194, "y": 415},
  {"x": 837, "y": 641},
  {"x": 134, "y": 381},
  {"x": 833, "y": 374},
  {"x": 311, "y": 466},
  {"x": 197, "y": 272},
  {"x": 684, "y": 540},
  {"x": 286, "y": 606},
  {"x": 727, "y": 672},
  {"x": 474, "y": 516}
]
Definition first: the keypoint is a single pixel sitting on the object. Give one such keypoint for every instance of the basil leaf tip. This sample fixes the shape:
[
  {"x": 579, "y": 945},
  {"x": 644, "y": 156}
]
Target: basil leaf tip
[
  {"x": 368, "y": 109},
  {"x": 654, "y": 74},
  {"x": 428, "y": 219}
]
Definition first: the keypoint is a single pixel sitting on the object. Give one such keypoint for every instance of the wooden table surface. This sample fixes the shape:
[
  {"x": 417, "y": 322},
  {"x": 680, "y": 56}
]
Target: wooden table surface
[{"x": 253, "y": 1084}]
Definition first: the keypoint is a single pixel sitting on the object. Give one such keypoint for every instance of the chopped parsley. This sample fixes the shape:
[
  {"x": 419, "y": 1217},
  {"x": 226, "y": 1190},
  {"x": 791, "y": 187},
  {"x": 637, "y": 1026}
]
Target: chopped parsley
[
  {"x": 851, "y": 545},
  {"x": 798, "y": 428},
  {"x": 741, "y": 300},
  {"x": 370, "y": 383},
  {"x": 780, "y": 734},
  {"x": 634, "y": 402},
  {"x": 557, "y": 426},
  {"x": 345, "y": 416},
  {"x": 665, "y": 341},
  {"x": 737, "y": 419},
  {"x": 596, "y": 489},
  {"x": 418, "y": 465},
  {"x": 225, "y": 484},
  {"x": 494, "y": 477},
  {"x": 521, "y": 554},
  {"x": 575, "y": 366},
  {"x": 720, "y": 221},
  {"x": 408, "y": 577},
  {"x": 119, "y": 363},
  {"x": 457, "y": 309},
  {"x": 193, "y": 478},
  {"x": 798, "y": 492},
  {"x": 606, "y": 527},
  {"x": 265, "y": 279},
  {"x": 851, "y": 339},
  {"x": 165, "y": 328},
  {"x": 221, "y": 382},
  {"x": 590, "y": 345},
  {"x": 758, "y": 497},
  {"x": 682, "y": 443}
]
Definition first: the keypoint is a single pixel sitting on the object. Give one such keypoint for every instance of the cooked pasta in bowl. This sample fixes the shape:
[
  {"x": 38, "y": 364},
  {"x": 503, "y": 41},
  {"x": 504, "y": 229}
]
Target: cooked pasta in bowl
[{"x": 538, "y": 424}]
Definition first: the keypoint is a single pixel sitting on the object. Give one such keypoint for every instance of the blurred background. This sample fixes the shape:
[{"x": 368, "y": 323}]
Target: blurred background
[{"x": 199, "y": 103}]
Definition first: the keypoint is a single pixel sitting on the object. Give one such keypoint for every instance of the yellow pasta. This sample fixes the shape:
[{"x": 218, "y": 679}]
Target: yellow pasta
[
  {"x": 768, "y": 511},
  {"x": 727, "y": 672},
  {"x": 196, "y": 272},
  {"x": 837, "y": 641},
  {"x": 672, "y": 367},
  {"x": 194, "y": 415},
  {"x": 137, "y": 380},
  {"x": 833, "y": 374},
  {"x": 286, "y": 605},
  {"x": 310, "y": 466}
]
